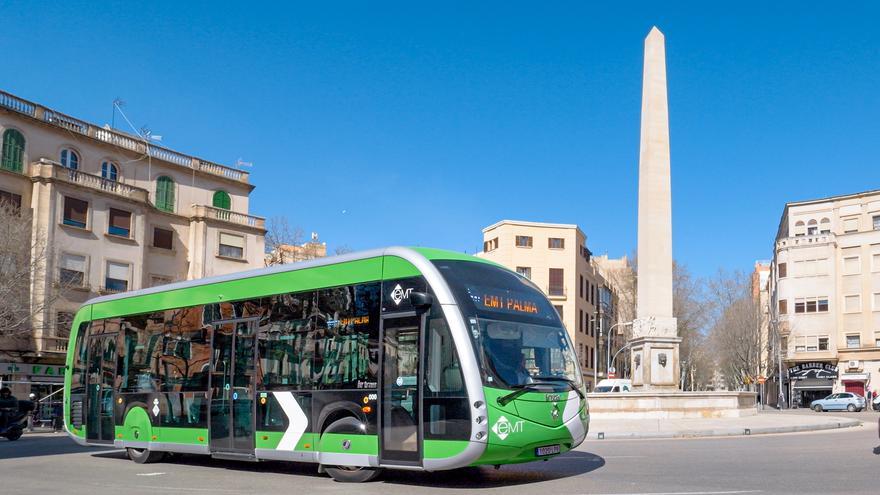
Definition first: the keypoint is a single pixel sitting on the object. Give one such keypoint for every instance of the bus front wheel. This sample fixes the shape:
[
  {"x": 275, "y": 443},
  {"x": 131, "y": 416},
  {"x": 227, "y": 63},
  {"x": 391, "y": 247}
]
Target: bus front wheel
[
  {"x": 349, "y": 474},
  {"x": 144, "y": 456}
]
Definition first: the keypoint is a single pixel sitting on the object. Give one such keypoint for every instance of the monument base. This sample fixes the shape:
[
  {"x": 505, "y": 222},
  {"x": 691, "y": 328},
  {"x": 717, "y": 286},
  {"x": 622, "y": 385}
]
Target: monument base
[
  {"x": 654, "y": 363},
  {"x": 671, "y": 405}
]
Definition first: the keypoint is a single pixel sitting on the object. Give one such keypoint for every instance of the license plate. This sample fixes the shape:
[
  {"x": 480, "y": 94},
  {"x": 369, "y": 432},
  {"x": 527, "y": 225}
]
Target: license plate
[{"x": 547, "y": 450}]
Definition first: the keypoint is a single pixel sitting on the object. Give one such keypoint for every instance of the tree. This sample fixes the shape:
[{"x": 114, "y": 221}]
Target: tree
[
  {"x": 279, "y": 236},
  {"x": 691, "y": 311},
  {"x": 23, "y": 258}
]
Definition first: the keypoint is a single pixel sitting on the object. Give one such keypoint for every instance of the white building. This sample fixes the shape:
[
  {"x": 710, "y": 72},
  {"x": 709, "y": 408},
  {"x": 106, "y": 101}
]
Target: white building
[{"x": 825, "y": 294}]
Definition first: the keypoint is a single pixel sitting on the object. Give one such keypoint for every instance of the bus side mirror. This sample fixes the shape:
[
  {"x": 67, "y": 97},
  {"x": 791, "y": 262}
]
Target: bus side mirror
[{"x": 421, "y": 300}]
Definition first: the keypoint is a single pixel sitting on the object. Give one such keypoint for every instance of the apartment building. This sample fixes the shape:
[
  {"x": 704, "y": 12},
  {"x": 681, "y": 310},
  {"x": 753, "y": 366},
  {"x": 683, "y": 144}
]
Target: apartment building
[
  {"x": 116, "y": 213},
  {"x": 555, "y": 257},
  {"x": 824, "y": 287}
]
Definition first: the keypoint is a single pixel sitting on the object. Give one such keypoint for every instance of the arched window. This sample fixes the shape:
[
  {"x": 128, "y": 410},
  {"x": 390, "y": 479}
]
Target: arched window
[
  {"x": 69, "y": 159},
  {"x": 825, "y": 226},
  {"x": 13, "y": 151},
  {"x": 812, "y": 227},
  {"x": 165, "y": 193},
  {"x": 222, "y": 200},
  {"x": 109, "y": 171},
  {"x": 799, "y": 228}
]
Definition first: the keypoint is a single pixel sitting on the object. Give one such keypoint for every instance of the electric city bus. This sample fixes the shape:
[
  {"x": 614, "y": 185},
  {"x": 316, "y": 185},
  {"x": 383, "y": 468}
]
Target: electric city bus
[{"x": 403, "y": 358}]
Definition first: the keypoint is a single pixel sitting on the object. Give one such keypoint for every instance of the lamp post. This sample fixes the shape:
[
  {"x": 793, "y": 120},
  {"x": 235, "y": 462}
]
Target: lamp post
[{"x": 610, "y": 360}]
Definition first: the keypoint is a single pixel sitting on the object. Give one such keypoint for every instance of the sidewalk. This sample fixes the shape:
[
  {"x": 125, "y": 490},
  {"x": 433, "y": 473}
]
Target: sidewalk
[{"x": 763, "y": 423}]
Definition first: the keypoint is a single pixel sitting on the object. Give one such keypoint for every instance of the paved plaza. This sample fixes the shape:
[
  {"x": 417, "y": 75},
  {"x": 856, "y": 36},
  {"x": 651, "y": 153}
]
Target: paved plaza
[{"x": 831, "y": 461}]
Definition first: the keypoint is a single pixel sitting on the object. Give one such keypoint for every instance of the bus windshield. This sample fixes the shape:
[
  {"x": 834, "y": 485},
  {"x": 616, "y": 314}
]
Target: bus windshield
[{"x": 517, "y": 334}]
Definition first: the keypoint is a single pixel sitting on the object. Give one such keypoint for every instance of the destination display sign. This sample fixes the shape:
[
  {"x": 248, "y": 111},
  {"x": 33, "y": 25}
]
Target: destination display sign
[
  {"x": 813, "y": 370},
  {"x": 496, "y": 300}
]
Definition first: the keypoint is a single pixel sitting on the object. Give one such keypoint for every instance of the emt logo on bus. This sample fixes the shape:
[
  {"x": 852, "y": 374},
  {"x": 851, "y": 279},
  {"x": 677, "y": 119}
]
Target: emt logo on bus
[{"x": 503, "y": 427}]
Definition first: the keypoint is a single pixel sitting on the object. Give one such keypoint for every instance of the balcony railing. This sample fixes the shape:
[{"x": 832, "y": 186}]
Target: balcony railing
[
  {"x": 556, "y": 291},
  {"x": 210, "y": 212},
  {"x": 806, "y": 240},
  {"x": 54, "y": 344},
  {"x": 117, "y": 138},
  {"x": 49, "y": 169}
]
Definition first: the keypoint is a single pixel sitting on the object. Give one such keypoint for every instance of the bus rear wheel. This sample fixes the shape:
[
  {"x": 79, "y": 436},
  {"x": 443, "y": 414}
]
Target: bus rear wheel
[
  {"x": 144, "y": 456},
  {"x": 350, "y": 474}
]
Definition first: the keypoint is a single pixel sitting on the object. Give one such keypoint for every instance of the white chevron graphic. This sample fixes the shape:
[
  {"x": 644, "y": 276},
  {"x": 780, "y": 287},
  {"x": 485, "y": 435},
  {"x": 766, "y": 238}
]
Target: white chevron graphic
[{"x": 297, "y": 420}]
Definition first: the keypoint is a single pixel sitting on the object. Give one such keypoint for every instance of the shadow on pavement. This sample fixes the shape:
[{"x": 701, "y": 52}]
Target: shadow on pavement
[
  {"x": 31, "y": 445},
  {"x": 570, "y": 464}
]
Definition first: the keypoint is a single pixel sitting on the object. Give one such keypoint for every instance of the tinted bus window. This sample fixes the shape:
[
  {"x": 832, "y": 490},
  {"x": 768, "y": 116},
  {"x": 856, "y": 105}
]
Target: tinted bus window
[
  {"x": 286, "y": 343},
  {"x": 347, "y": 337},
  {"x": 78, "y": 375},
  {"x": 186, "y": 351},
  {"x": 142, "y": 344}
]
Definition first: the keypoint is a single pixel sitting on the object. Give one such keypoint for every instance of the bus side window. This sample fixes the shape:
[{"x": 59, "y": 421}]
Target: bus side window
[
  {"x": 446, "y": 413},
  {"x": 286, "y": 343}
]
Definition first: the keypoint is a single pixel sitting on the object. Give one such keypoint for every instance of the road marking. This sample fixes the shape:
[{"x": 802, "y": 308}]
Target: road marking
[
  {"x": 168, "y": 489},
  {"x": 150, "y": 474},
  {"x": 730, "y": 492}
]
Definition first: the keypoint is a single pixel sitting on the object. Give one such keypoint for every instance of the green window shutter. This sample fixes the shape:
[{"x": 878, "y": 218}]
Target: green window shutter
[
  {"x": 165, "y": 194},
  {"x": 13, "y": 151},
  {"x": 222, "y": 200}
]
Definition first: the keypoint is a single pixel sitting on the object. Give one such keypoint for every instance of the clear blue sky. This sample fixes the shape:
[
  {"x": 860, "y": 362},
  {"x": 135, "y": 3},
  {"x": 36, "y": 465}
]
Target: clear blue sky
[{"x": 426, "y": 123}]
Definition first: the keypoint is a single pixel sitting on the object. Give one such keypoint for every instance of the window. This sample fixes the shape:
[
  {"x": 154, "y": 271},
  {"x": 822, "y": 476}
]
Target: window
[
  {"x": 852, "y": 265},
  {"x": 850, "y": 225},
  {"x": 287, "y": 343},
  {"x": 221, "y": 200},
  {"x": 525, "y": 271},
  {"x": 490, "y": 245},
  {"x": 163, "y": 238},
  {"x": 445, "y": 402},
  {"x": 823, "y": 304},
  {"x": 72, "y": 270},
  {"x": 12, "y": 156},
  {"x": 783, "y": 270},
  {"x": 75, "y": 212},
  {"x": 875, "y": 303},
  {"x": 783, "y": 306},
  {"x": 876, "y": 341},
  {"x": 165, "y": 194},
  {"x": 799, "y": 305},
  {"x": 581, "y": 287},
  {"x": 852, "y": 303},
  {"x": 558, "y": 310},
  {"x": 557, "y": 282},
  {"x": 110, "y": 171},
  {"x": 875, "y": 260},
  {"x": 120, "y": 223},
  {"x": 799, "y": 229},
  {"x": 556, "y": 243},
  {"x": 812, "y": 227},
  {"x": 10, "y": 200},
  {"x": 876, "y": 222},
  {"x": 809, "y": 305},
  {"x": 823, "y": 343},
  {"x": 117, "y": 277},
  {"x": 523, "y": 241},
  {"x": 231, "y": 246},
  {"x": 853, "y": 341},
  {"x": 825, "y": 226},
  {"x": 581, "y": 321},
  {"x": 69, "y": 159}
]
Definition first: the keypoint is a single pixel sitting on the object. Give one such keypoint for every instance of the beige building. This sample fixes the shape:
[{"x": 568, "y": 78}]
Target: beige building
[
  {"x": 117, "y": 213},
  {"x": 824, "y": 288},
  {"x": 555, "y": 257}
]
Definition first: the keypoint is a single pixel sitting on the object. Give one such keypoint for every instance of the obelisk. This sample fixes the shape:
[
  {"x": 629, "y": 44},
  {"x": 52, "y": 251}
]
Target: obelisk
[{"x": 655, "y": 336}]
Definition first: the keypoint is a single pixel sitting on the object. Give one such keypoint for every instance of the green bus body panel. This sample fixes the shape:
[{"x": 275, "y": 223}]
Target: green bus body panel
[
  {"x": 360, "y": 444},
  {"x": 271, "y": 439},
  {"x": 439, "y": 449}
]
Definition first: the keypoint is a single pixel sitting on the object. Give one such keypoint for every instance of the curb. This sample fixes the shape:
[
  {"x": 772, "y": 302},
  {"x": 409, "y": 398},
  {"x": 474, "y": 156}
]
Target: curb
[{"x": 724, "y": 432}]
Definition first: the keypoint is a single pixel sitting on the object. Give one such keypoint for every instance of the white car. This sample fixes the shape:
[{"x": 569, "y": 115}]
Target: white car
[{"x": 613, "y": 385}]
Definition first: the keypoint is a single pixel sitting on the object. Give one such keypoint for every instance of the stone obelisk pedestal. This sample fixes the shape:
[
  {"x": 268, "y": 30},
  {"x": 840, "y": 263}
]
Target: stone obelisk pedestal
[{"x": 655, "y": 334}]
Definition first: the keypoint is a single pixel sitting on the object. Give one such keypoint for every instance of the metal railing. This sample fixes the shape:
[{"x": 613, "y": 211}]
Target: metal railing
[
  {"x": 118, "y": 138},
  {"x": 49, "y": 169}
]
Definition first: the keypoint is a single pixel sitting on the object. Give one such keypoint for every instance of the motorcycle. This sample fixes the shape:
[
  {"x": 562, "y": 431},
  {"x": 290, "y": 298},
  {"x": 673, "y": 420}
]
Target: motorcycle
[{"x": 14, "y": 417}]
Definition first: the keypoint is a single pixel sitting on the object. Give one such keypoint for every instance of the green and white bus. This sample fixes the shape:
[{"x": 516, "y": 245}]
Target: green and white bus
[{"x": 402, "y": 358}]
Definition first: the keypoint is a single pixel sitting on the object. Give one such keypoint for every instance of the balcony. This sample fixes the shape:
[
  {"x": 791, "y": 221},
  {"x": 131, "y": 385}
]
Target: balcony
[
  {"x": 806, "y": 240},
  {"x": 233, "y": 217},
  {"x": 54, "y": 345},
  {"x": 48, "y": 169},
  {"x": 557, "y": 292},
  {"x": 117, "y": 138}
]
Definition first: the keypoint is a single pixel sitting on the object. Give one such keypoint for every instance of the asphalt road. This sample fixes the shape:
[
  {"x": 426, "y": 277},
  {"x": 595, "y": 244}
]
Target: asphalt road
[{"x": 837, "y": 461}]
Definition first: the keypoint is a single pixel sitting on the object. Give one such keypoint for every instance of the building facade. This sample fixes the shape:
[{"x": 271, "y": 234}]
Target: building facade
[
  {"x": 115, "y": 212},
  {"x": 824, "y": 288},
  {"x": 555, "y": 257}
]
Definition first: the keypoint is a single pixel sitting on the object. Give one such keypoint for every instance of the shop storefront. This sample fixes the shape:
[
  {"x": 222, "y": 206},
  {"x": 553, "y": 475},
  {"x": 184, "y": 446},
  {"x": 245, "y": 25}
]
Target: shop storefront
[{"x": 810, "y": 381}]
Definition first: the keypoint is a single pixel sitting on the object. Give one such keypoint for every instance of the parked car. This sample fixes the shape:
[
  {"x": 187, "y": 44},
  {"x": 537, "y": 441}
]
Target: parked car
[
  {"x": 613, "y": 385},
  {"x": 838, "y": 402}
]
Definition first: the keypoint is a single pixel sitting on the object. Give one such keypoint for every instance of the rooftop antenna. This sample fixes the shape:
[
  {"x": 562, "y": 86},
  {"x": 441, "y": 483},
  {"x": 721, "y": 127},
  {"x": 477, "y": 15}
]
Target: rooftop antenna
[{"x": 117, "y": 103}]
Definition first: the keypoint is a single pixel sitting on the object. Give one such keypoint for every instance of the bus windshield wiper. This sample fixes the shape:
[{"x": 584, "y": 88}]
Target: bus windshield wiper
[
  {"x": 520, "y": 390},
  {"x": 569, "y": 381}
]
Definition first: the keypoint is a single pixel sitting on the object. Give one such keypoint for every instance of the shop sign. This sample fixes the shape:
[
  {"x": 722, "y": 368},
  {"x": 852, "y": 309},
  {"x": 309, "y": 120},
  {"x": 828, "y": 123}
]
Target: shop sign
[
  {"x": 31, "y": 369},
  {"x": 813, "y": 370}
]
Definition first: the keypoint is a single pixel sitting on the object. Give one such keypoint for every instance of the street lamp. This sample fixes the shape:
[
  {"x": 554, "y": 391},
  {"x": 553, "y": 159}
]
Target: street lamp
[{"x": 609, "y": 359}]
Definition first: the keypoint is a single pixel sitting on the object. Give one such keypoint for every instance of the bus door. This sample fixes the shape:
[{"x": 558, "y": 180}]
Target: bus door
[
  {"x": 101, "y": 364},
  {"x": 232, "y": 388},
  {"x": 400, "y": 433}
]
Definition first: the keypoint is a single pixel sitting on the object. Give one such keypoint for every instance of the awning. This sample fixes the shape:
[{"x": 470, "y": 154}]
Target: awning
[{"x": 813, "y": 384}]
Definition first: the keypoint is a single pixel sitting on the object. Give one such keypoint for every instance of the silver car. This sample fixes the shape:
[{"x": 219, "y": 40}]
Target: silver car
[{"x": 839, "y": 402}]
